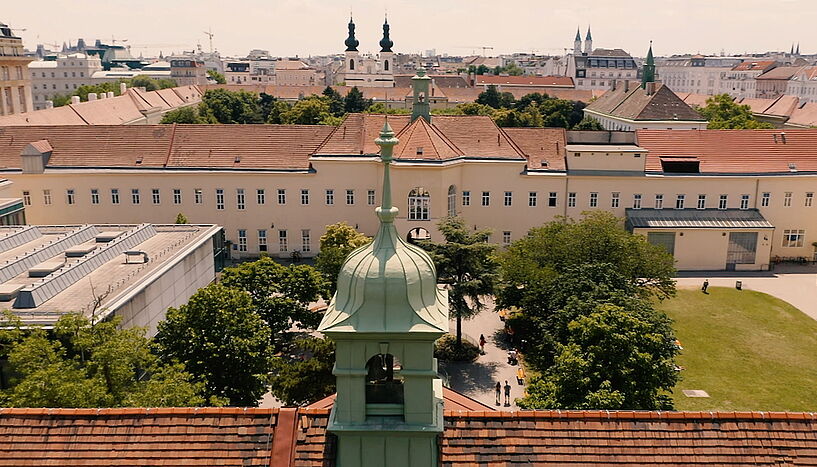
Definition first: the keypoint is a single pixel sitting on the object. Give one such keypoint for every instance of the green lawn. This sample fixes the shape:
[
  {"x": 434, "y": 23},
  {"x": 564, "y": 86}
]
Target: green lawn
[{"x": 748, "y": 350}]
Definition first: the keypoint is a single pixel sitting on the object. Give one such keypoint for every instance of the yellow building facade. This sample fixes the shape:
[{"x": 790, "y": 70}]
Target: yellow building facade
[{"x": 15, "y": 81}]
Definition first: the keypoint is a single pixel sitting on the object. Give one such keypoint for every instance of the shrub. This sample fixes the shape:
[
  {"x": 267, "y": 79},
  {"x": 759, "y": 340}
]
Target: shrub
[{"x": 446, "y": 349}]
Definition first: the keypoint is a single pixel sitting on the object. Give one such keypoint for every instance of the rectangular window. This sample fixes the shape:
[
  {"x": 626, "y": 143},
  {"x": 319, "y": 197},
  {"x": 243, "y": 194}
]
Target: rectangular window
[
  {"x": 793, "y": 238},
  {"x": 614, "y": 199},
  {"x": 370, "y": 197},
  {"x": 304, "y": 196},
  {"x": 765, "y": 198},
  {"x": 679, "y": 201},
  {"x": 177, "y": 196},
  {"x": 552, "y": 197},
  {"x": 637, "y": 201},
  {"x": 198, "y": 196},
  {"x": 508, "y": 198},
  {"x": 69, "y": 195},
  {"x": 350, "y": 197},
  {"x": 282, "y": 196},
  {"x": 134, "y": 196},
  {"x": 787, "y": 199},
  {"x": 330, "y": 197},
  {"x": 506, "y": 238},
  {"x": 114, "y": 196},
  {"x": 155, "y": 196},
  {"x": 219, "y": 199},
  {"x": 723, "y": 202},
  {"x": 306, "y": 241},
  {"x": 744, "y": 201},
  {"x": 27, "y": 198},
  {"x": 486, "y": 198},
  {"x": 240, "y": 201},
  {"x": 282, "y": 241},
  {"x": 46, "y": 197},
  {"x": 262, "y": 240},
  {"x": 532, "y": 199},
  {"x": 594, "y": 200},
  {"x": 260, "y": 196},
  {"x": 701, "y": 202},
  {"x": 571, "y": 200},
  {"x": 809, "y": 199},
  {"x": 466, "y": 198},
  {"x": 94, "y": 196},
  {"x": 242, "y": 240},
  {"x": 659, "y": 201}
]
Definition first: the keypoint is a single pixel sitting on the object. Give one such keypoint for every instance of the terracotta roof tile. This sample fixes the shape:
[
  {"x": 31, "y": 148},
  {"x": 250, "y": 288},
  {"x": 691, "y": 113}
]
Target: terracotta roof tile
[
  {"x": 636, "y": 104},
  {"x": 781, "y": 72},
  {"x": 564, "y": 81},
  {"x": 64, "y": 115},
  {"x": 805, "y": 116},
  {"x": 754, "y": 65},
  {"x": 733, "y": 151},
  {"x": 112, "y": 111},
  {"x": 420, "y": 140},
  {"x": 543, "y": 147}
]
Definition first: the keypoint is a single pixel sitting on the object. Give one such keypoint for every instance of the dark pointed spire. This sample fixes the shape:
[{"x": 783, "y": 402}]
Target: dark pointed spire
[
  {"x": 792, "y": 49},
  {"x": 588, "y": 37},
  {"x": 386, "y": 43},
  {"x": 648, "y": 74},
  {"x": 578, "y": 34},
  {"x": 351, "y": 42},
  {"x": 797, "y": 51}
]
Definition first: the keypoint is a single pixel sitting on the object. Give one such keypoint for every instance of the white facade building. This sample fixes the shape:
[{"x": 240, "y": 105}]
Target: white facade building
[{"x": 61, "y": 76}]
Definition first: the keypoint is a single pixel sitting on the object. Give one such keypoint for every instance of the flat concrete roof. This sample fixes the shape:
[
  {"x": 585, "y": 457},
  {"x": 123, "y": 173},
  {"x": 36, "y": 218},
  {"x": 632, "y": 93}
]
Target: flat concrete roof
[{"x": 102, "y": 271}]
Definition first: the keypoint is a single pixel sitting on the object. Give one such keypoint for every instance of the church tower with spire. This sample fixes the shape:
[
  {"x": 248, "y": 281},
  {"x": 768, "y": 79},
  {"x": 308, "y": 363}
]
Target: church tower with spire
[
  {"x": 384, "y": 318},
  {"x": 386, "y": 54},
  {"x": 648, "y": 73},
  {"x": 577, "y": 43},
  {"x": 366, "y": 70},
  {"x": 352, "y": 55},
  {"x": 588, "y": 42}
]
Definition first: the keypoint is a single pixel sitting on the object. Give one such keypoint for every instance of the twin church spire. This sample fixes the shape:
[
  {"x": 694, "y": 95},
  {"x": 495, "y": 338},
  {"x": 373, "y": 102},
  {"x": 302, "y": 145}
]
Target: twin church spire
[{"x": 351, "y": 41}]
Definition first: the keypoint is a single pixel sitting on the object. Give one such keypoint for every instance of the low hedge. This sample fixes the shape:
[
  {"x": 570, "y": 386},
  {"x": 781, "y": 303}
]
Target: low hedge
[{"x": 446, "y": 348}]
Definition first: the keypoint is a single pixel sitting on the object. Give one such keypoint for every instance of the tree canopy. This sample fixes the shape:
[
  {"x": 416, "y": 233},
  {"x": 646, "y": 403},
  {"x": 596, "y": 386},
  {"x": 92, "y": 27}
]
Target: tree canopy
[
  {"x": 723, "y": 113},
  {"x": 150, "y": 84},
  {"x": 336, "y": 243},
  {"x": 531, "y": 110},
  {"x": 216, "y": 76}
]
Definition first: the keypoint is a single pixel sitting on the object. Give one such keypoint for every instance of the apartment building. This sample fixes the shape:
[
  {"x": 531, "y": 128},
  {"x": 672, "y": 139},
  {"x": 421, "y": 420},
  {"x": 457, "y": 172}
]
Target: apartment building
[
  {"x": 695, "y": 74},
  {"x": 803, "y": 84},
  {"x": 774, "y": 83},
  {"x": 15, "y": 85},
  {"x": 739, "y": 82},
  {"x": 61, "y": 75},
  {"x": 188, "y": 71}
]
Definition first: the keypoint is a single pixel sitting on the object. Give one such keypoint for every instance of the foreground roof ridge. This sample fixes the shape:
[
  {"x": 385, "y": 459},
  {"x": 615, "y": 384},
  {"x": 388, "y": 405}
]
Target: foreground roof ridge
[{"x": 634, "y": 414}]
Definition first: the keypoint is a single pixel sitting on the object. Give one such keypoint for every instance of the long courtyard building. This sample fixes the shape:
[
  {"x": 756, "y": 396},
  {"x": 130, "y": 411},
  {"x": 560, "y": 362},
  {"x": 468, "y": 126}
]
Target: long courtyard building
[{"x": 717, "y": 199}]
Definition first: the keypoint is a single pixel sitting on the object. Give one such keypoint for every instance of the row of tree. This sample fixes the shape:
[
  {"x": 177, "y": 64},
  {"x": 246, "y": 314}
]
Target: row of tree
[{"x": 150, "y": 84}]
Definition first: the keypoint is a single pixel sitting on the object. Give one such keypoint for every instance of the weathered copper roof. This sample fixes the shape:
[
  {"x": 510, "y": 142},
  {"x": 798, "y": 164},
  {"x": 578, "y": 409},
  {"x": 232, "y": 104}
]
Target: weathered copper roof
[{"x": 696, "y": 219}]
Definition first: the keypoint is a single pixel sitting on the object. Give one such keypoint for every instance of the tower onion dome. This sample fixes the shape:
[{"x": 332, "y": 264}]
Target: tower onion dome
[
  {"x": 351, "y": 42},
  {"x": 386, "y": 43},
  {"x": 389, "y": 285}
]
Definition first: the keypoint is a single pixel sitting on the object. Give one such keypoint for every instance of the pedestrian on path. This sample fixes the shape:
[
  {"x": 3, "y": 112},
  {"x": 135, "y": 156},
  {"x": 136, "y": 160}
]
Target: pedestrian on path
[
  {"x": 507, "y": 394},
  {"x": 482, "y": 344},
  {"x": 705, "y": 286},
  {"x": 520, "y": 376},
  {"x": 498, "y": 392}
]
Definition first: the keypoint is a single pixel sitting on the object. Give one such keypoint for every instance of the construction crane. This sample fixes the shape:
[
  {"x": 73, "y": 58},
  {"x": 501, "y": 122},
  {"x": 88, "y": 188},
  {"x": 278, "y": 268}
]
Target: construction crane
[
  {"x": 474, "y": 48},
  {"x": 210, "y": 34}
]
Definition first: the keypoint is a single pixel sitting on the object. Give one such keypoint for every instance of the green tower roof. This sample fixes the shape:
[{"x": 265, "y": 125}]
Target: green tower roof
[
  {"x": 351, "y": 42},
  {"x": 386, "y": 43},
  {"x": 389, "y": 285}
]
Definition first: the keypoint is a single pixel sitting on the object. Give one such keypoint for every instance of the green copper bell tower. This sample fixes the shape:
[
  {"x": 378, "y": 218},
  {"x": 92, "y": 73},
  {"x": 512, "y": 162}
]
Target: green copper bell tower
[
  {"x": 420, "y": 84},
  {"x": 648, "y": 74},
  {"x": 385, "y": 316}
]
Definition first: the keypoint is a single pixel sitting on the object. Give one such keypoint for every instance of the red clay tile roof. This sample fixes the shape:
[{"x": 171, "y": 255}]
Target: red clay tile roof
[
  {"x": 165, "y": 437},
  {"x": 756, "y": 65},
  {"x": 733, "y": 151},
  {"x": 636, "y": 104},
  {"x": 543, "y": 147},
  {"x": 452, "y": 400},
  {"x": 780, "y": 73},
  {"x": 628, "y": 438},
  {"x": 421, "y": 140},
  {"x": 805, "y": 116},
  {"x": 564, "y": 81}
]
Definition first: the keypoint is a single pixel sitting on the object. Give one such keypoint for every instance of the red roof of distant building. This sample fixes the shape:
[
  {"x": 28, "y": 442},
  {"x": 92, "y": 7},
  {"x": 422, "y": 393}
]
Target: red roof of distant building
[
  {"x": 754, "y": 65},
  {"x": 556, "y": 81}
]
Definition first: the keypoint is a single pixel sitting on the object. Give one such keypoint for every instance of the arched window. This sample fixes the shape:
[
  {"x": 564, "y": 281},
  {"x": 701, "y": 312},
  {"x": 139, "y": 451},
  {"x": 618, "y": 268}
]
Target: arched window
[
  {"x": 386, "y": 65},
  {"x": 452, "y": 201},
  {"x": 418, "y": 205},
  {"x": 382, "y": 385},
  {"x": 351, "y": 64},
  {"x": 418, "y": 234}
]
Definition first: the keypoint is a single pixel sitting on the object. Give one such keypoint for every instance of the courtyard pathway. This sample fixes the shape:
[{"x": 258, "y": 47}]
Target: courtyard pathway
[{"x": 794, "y": 284}]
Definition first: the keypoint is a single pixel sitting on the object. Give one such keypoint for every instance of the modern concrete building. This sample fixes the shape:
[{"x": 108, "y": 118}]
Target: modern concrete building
[
  {"x": 15, "y": 83},
  {"x": 135, "y": 271}
]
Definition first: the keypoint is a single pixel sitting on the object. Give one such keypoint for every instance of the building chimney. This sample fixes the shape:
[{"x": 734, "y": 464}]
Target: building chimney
[
  {"x": 123, "y": 88},
  {"x": 651, "y": 88},
  {"x": 91, "y": 96},
  {"x": 626, "y": 85},
  {"x": 75, "y": 99},
  {"x": 783, "y": 137},
  {"x": 49, "y": 104},
  {"x": 613, "y": 84}
]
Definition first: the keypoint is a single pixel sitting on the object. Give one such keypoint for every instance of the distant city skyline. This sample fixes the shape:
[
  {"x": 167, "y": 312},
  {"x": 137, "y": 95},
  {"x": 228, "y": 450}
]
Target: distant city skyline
[{"x": 318, "y": 27}]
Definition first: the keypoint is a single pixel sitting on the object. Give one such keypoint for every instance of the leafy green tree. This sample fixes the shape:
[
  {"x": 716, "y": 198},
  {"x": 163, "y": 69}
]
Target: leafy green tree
[
  {"x": 337, "y": 106},
  {"x": 312, "y": 110},
  {"x": 186, "y": 115},
  {"x": 529, "y": 117},
  {"x": 493, "y": 98},
  {"x": 380, "y": 108},
  {"x": 466, "y": 263},
  {"x": 478, "y": 70},
  {"x": 336, "y": 243},
  {"x": 167, "y": 83},
  {"x": 355, "y": 102},
  {"x": 223, "y": 106},
  {"x": 216, "y": 76},
  {"x": 307, "y": 377},
  {"x": 61, "y": 100},
  {"x": 561, "y": 113},
  {"x": 528, "y": 99},
  {"x": 222, "y": 340},
  {"x": 181, "y": 219},
  {"x": 474, "y": 108},
  {"x": 614, "y": 358},
  {"x": 280, "y": 294},
  {"x": 723, "y": 113},
  {"x": 588, "y": 123},
  {"x": 276, "y": 112}
]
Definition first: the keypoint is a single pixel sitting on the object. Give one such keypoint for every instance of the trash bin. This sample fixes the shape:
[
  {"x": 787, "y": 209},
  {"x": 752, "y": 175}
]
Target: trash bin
[{"x": 739, "y": 285}]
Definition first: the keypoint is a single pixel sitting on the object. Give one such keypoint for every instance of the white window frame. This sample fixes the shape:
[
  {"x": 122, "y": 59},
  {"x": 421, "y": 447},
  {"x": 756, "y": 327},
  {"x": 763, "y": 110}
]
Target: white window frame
[
  {"x": 723, "y": 202},
  {"x": 593, "y": 202},
  {"x": 177, "y": 196},
  {"x": 350, "y": 197},
  {"x": 240, "y": 199},
  {"x": 47, "y": 197},
  {"x": 219, "y": 199},
  {"x": 659, "y": 201},
  {"x": 114, "y": 195},
  {"x": 793, "y": 238},
  {"x": 306, "y": 241},
  {"x": 532, "y": 199},
  {"x": 283, "y": 242},
  {"x": 679, "y": 201},
  {"x": 419, "y": 205},
  {"x": 329, "y": 199},
  {"x": 486, "y": 198},
  {"x": 506, "y": 238},
  {"x": 370, "y": 197},
  {"x": 282, "y": 196},
  {"x": 701, "y": 202},
  {"x": 809, "y": 201},
  {"x": 198, "y": 196},
  {"x": 466, "y": 198},
  {"x": 787, "y": 199},
  {"x": 571, "y": 199},
  {"x": 508, "y": 199},
  {"x": 744, "y": 201},
  {"x": 70, "y": 196},
  {"x": 27, "y": 198},
  {"x": 242, "y": 240},
  {"x": 765, "y": 199},
  {"x": 636, "y": 200},
  {"x": 94, "y": 196},
  {"x": 262, "y": 240},
  {"x": 615, "y": 199},
  {"x": 135, "y": 196},
  {"x": 260, "y": 196},
  {"x": 304, "y": 196},
  {"x": 553, "y": 199},
  {"x": 155, "y": 196}
]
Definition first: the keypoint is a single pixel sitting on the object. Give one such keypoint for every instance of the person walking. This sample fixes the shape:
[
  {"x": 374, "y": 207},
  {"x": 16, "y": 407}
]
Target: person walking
[
  {"x": 507, "y": 394},
  {"x": 520, "y": 376},
  {"x": 482, "y": 344},
  {"x": 498, "y": 392},
  {"x": 705, "y": 286}
]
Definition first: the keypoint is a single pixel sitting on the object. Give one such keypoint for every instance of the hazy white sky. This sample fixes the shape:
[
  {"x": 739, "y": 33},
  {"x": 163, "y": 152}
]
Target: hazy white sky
[{"x": 461, "y": 27}]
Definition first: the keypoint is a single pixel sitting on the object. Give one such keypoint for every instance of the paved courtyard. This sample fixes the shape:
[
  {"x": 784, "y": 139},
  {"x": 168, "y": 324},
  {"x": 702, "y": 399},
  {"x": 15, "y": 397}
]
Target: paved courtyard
[{"x": 794, "y": 284}]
